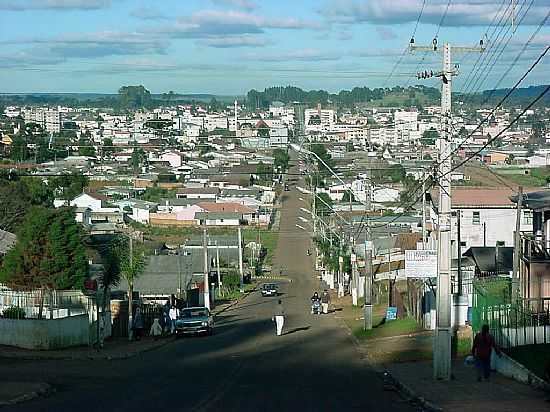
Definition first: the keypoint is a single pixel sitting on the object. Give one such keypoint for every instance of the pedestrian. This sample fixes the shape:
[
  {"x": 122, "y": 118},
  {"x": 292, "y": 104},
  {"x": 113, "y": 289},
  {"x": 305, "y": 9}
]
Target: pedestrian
[
  {"x": 484, "y": 344},
  {"x": 137, "y": 324},
  {"x": 325, "y": 301},
  {"x": 166, "y": 317},
  {"x": 279, "y": 317},
  {"x": 156, "y": 329},
  {"x": 173, "y": 313}
]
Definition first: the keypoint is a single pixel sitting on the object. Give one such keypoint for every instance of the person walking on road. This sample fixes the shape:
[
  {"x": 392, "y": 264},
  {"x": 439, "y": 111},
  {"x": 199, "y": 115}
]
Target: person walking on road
[
  {"x": 279, "y": 317},
  {"x": 483, "y": 345},
  {"x": 325, "y": 301},
  {"x": 137, "y": 325}
]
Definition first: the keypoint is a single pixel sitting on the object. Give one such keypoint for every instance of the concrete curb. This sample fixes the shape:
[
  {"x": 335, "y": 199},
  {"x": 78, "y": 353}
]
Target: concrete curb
[
  {"x": 234, "y": 303},
  {"x": 44, "y": 390},
  {"x": 97, "y": 356},
  {"x": 389, "y": 379}
]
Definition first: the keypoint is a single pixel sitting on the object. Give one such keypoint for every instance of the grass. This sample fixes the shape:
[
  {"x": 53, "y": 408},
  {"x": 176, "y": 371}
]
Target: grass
[
  {"x": 268, "y": 239},
  {"x": 391, "y": 328},
  {"x": 536, "y": 177},
  {"x": 534, "y": 357}
]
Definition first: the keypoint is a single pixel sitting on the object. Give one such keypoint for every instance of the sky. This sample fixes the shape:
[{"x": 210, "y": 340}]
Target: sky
[{"x": 228, "y": 47}]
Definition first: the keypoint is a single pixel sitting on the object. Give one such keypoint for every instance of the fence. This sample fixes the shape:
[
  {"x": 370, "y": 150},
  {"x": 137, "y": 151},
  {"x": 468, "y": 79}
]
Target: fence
[
  {"x": 120, "y": 316},
  {"x": 44, "y": 304},
  {"x": 512, "y": 321}
]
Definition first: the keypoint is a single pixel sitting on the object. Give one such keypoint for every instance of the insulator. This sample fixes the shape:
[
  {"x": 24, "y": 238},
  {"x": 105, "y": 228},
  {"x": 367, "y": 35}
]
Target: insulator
[{"x": 412, "y": 41}]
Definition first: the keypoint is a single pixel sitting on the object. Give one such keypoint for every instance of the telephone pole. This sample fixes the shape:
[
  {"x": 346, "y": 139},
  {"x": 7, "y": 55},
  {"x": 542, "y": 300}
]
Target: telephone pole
[
  {"x": 517, "y": 242},
  {"x": 368, "y": 281},
  {"x": 206, "y": 280},
  {"x": 442, "y": 344},
  {"x": 241, "y": 273}
]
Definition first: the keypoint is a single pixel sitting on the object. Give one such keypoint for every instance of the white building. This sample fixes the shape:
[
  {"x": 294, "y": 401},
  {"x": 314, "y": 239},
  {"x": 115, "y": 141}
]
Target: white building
[{"x": 319, "y": 119}]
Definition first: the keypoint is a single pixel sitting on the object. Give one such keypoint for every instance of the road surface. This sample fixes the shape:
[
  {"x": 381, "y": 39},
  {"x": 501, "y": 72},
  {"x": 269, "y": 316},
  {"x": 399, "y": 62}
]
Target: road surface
[{"x": 244, "y": 367}]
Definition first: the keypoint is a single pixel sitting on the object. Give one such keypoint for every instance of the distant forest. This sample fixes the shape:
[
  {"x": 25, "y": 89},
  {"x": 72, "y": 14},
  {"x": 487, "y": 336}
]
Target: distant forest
[
  {"x": 412, "y": 96},
  {"x": 134, "y": 97}
]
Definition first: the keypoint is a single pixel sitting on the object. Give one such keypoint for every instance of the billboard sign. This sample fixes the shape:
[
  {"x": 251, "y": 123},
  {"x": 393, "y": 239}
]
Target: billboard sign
[{"x": 421, "y": 263}]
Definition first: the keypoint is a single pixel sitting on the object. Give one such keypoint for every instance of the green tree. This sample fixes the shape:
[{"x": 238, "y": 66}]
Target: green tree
[
  {"x": 15, "y": 201},
  {"x": 281, "y": 159},
  {"x": 347, "y": 195},
  {"x": 264, "y": 172},
  {"x": 49, "y": 253},
  {"x": 323, "y": 204},
  {"x": 131, "y": 261},
  {"x": 134, "y": 97},
  {"x": 86, "y": 147},
  {"x": 137, "y": 159},
  {"x": 18, "y": 149},
  {"x": 107, "y": 148},
  {"x": 67, "y": 187},
  {"x": 321, "y": 152},
  {"x": 429, "y": 137}
]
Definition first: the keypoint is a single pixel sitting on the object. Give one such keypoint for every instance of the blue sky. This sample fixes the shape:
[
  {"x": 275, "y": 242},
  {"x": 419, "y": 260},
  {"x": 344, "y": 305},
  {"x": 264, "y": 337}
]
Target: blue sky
[{"x": 231, "y": 46}]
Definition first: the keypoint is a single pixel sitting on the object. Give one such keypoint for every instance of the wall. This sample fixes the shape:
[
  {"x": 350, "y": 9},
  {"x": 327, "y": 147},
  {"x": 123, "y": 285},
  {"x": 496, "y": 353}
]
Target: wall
[
  {"x": 515, "y": 370},
  {"x": 45, "y": 334}
]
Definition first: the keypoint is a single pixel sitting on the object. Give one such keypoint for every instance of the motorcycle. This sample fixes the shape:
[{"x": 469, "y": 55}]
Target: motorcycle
[{"x": 316, "y": 307}]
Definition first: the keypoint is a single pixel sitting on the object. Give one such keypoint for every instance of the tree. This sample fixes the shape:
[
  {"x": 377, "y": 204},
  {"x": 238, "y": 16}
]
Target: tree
[
  {"x": 347, "y": 195},
  {"x": 321, "y": 152},
  {"x": 264, "y": 172},
  {"x": 18, "y": 195},
  {"x": 429, "y": 137},
  {"x": 49, "y": 253},
  {"x": 107, "y": 147},
  {"x": 131, "y": 260},
  {"x": 281, "y": 159},
  {"x": 110, "y": 276},
  {"x": 134, "y": 97},
  {"x": 138, "y": 157},
  {"x": 18, "y": 149},
  {"x": 86, "y": 148},
  {"x": 69, "y": 186},
  {"x": 323, "y": 204}
]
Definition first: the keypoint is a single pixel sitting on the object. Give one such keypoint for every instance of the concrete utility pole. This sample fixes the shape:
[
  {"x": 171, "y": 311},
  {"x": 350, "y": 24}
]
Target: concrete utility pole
[
  {"x": 241, "y": 273},
  {"x": 459, "y": 251},
  {"x": 206, "y": 279},
  {"x": 424, "y": 212},
  {"x": 368, "y": 282},
  {"x": 442, "y": 344},
  {"x": 354, "y": 280},
  {"x": 517, "y": 240},
  {"x": 131, "y": 291},
  {"x": 218, "y": 265}
]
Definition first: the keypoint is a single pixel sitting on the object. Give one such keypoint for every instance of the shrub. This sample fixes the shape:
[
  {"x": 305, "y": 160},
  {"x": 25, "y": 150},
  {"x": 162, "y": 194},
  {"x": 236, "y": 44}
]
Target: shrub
[{"x": 14, "y": 312}]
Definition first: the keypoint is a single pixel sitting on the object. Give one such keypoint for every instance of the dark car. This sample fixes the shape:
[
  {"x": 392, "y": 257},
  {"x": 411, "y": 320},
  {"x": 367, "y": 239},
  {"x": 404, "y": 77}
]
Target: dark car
[
  {"x": 269, "y": 289},
  {"x": 194, "y": 321}
]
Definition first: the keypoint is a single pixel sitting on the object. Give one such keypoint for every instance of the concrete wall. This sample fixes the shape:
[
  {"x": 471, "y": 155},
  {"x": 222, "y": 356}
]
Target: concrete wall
[
  {"x": 512, "y": 369},
  {"x": 45, "y": 334}
]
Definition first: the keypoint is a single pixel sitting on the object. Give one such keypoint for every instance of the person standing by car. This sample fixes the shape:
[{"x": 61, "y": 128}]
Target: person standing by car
[
  {"x": 173, "y": 313},
  {"x": 483, "y": 345},
  {"x": 279, "y": 317},
  {"x": 325, "y": 301}
]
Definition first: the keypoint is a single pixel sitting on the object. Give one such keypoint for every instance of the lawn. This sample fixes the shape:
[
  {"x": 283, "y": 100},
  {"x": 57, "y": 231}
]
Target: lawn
[
  {"x": 390, "y": 328},
  {"x": 536, "y": 177},
  {"x": 533, "y": 357}
]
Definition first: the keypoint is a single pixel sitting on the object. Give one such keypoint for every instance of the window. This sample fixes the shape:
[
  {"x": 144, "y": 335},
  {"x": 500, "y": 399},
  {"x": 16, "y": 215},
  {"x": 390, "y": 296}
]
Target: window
[
  {"x": 475, "y": 218},
  {"x": 527, "y": 217},
  {"x": 501, "y": 243}
]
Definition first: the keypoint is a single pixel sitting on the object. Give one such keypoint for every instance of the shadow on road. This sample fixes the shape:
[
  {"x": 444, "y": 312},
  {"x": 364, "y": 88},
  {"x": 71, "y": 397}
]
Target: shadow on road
[{"x": 303, "y": 328}]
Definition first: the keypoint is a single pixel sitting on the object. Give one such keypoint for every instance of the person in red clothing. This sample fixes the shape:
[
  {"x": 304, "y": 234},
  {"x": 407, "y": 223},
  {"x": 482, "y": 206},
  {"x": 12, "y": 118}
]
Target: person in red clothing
[{"x": 481, "y": 351}]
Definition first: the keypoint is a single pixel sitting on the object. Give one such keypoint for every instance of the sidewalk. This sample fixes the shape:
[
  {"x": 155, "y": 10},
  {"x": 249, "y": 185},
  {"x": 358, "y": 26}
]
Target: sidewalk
[
  {"x": 117, "y": 348},
  {"x": 464, "y": 392},
  {"x": 16, "y": 392}
]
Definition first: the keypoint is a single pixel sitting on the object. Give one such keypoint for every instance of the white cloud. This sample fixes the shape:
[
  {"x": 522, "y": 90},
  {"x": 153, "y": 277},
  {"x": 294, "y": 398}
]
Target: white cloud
[
  {"x": 235, "y": 41},
  {"x": 296, "y": 55},
  {"x": 460, "y": 13},
  {"x": 22, "y": 5},
  {"x": 241, "y": 4}
]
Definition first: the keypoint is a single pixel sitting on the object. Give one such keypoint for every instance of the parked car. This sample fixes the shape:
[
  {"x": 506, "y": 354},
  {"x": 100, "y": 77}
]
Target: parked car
[
  {"x": 269, "y": 289},
  {"x": 194, "y": 320}
]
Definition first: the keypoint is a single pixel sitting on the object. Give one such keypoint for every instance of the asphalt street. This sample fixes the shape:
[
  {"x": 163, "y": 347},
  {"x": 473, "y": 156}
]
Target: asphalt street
[{"x": 244, "y": 367}]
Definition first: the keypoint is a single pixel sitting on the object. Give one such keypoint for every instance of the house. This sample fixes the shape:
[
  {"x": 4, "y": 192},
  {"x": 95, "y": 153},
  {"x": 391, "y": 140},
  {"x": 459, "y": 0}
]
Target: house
[
  {"x": 83, "y": 215},
  {"x": 248, "y": 214},
  {"x": 218, "y": 218},
  {"x": 487, "y": 216},
  {"x": 535, "y": 249},
  {"x": 206, "y": 193},
  {"x": 140, "y": 209},
  {"x": 94, "y": 201}
]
